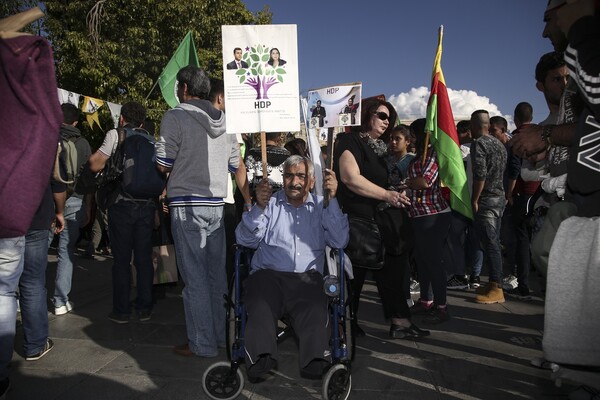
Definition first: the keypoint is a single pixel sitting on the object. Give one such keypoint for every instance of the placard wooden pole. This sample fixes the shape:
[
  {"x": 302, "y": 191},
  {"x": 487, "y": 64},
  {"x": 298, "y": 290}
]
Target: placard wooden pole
[
  {"x": 329, "y": 163},
  {"x": 263, "y": 153}
]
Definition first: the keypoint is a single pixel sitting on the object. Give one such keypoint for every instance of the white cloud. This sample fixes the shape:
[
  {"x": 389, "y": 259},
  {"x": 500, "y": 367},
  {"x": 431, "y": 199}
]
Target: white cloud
[{"x": 413, "y": 105}]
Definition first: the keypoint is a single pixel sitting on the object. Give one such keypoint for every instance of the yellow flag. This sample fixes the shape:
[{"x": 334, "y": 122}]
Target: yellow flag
[{"x": 90, "y": 108}]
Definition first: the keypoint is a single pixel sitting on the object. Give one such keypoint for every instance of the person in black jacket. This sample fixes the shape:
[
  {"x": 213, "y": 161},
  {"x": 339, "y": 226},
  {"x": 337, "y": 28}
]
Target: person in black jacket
[{"x": 359, "y": 164}]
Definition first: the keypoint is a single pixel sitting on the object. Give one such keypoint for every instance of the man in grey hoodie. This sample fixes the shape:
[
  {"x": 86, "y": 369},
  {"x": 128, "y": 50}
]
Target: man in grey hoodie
[{"x": 198, "y": 154}]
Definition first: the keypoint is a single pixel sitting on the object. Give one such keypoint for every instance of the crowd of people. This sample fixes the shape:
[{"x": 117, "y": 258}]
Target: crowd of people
[{"x": 531, "y": 190}]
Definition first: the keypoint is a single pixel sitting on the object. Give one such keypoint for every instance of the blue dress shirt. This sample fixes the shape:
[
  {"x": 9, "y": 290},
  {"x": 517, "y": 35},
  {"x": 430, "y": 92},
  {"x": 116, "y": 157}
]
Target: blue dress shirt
[{"x": 289, "y": 238}]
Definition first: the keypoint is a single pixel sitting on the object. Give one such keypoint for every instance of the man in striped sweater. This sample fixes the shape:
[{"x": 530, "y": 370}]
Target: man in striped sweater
[{"x": 198, "y": 154}]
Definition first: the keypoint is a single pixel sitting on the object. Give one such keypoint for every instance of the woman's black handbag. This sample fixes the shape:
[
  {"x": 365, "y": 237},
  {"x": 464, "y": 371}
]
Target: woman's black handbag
[
  {"x": 365, "y": 247},
  {"x": 395, "y": 228}
]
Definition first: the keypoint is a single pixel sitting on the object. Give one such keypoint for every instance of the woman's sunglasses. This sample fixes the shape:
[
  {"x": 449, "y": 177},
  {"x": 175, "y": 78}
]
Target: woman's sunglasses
[{"x": 381, "y": 115}]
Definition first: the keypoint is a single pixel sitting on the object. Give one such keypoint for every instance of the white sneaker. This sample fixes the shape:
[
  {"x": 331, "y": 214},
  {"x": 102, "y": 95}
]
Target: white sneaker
[
  {"x": 510, "y": 282},
  {"x": 61, "y": 310},
  {"x": 415, "y": 288}
]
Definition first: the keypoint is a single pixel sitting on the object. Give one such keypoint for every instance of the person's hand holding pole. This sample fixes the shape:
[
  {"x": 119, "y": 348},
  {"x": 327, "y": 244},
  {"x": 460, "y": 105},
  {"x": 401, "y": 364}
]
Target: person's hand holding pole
[{"x": 262, "y": 193}]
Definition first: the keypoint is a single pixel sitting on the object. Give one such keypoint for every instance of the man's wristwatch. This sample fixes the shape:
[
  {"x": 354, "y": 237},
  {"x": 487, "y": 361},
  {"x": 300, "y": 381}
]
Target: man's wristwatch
[{"x": 547, "y": 134}]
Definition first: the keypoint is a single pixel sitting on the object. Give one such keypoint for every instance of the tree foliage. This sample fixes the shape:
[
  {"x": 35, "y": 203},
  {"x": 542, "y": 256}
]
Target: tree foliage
[{"x": 131, "y": 41}]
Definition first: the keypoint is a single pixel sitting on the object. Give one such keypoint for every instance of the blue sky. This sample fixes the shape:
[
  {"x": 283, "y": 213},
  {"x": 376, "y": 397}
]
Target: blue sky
[{"x": 490, "y": 49}]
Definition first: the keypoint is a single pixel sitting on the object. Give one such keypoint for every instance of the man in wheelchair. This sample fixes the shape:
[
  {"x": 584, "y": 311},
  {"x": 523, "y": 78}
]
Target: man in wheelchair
[{"x": 289, "y": 231}]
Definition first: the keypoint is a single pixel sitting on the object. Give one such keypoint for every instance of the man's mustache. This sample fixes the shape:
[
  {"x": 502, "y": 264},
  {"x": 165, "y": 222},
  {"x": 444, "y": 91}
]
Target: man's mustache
[{"x": 295, "y": 187}]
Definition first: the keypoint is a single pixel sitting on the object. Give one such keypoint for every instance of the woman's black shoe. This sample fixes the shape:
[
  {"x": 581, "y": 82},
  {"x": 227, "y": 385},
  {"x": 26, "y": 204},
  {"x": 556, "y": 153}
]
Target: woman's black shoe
[{"x": 401, "y": 332}]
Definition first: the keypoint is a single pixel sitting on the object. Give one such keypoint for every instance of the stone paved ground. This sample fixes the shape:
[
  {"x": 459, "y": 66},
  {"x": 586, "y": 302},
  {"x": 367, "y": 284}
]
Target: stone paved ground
[{"x": 483, "y": 352}]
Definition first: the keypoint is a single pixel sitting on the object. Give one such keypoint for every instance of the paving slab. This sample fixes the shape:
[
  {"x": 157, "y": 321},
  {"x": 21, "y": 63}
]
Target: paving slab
[{"x": 483, "y": 352}]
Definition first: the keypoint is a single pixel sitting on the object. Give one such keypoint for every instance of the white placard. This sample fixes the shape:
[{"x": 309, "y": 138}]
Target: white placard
[
  {"x": 340, "y": 104},
  {"x": 261, "y": 94}
]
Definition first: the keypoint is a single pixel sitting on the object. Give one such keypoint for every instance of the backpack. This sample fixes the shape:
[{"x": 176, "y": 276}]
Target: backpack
[
  {"x": 71, "y": 159},
  {"x": 140, "y": 178},
  {"x": 131, "y": 171}
]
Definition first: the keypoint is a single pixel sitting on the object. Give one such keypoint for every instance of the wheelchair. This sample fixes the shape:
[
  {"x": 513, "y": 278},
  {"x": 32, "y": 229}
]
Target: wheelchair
[{"x": 224, "y": 380}]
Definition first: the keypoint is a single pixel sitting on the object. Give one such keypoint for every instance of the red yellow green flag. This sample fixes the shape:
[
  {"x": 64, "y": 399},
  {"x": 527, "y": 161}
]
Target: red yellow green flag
[{"x": 442, "y": 134}]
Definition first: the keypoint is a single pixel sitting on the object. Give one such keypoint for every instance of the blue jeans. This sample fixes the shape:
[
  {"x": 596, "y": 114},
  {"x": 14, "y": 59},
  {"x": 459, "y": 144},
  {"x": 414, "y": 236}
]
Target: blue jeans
[
  {"x": 11, "y": 266},
  {"x": 473, "y": 251},
  {"x": 130, "y": 226},
  {"x": 32, "y": 292},
  {"x": 487, "y": 223},
  {"x": 200, "y": 247},
  {"x": 74, "y": 214}
]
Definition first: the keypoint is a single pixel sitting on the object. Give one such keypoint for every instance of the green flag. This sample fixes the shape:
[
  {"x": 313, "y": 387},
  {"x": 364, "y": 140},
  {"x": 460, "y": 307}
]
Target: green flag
[{"x": 184, "y": 56}]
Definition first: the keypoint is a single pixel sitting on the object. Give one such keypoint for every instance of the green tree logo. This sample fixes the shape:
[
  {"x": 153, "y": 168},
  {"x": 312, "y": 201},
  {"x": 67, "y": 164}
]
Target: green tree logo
[{"x": 259, "y": 74}]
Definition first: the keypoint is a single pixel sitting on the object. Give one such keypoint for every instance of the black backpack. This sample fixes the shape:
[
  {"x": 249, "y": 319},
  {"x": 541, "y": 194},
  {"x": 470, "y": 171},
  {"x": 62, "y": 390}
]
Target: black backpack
[
  {"x": 131, "y": 171},
  {"x": 140, "y": 178}
]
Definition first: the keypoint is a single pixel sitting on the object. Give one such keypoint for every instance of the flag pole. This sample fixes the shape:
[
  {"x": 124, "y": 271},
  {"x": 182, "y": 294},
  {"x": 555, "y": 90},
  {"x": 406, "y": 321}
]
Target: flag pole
[
  {"x": 425, "y": 149},
  {"x": 151, "y": 90},
  {"x": 438, "y": 56}
]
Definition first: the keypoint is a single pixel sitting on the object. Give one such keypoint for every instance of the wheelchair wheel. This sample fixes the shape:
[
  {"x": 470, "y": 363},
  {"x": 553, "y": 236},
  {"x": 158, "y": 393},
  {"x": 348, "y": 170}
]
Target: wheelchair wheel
[
  {"x": 337, "y": 383},
  {"x": 220, "y": 382}
]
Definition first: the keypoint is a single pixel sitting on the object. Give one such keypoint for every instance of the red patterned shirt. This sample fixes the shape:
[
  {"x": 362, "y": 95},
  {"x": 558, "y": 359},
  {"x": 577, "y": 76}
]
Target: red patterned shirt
[{"x": 430, "y": 200}]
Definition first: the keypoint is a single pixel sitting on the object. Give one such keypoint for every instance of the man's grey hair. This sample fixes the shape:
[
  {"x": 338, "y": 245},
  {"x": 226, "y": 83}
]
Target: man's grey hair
[
  {"x": 197, "y": 81},
  {"x": 294, "y": 160}
]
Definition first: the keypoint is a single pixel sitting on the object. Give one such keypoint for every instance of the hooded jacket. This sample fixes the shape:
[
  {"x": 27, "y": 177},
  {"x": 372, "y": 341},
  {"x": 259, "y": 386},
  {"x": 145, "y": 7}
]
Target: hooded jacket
[
  {"x": 194, "y": 144},
  {"x": 69, "y": 132}
]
